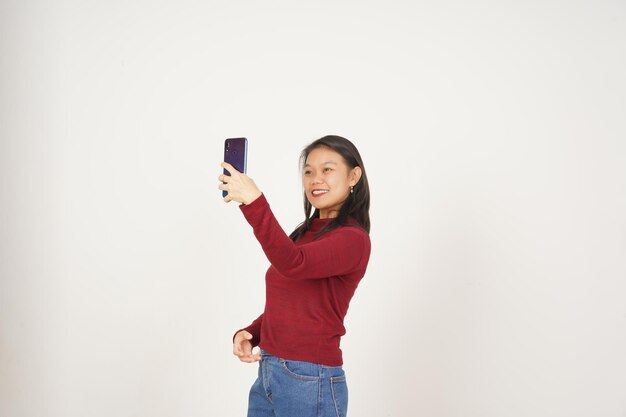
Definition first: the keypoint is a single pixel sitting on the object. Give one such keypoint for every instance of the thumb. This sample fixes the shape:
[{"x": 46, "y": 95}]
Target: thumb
[{"x": 247, "y": 335}]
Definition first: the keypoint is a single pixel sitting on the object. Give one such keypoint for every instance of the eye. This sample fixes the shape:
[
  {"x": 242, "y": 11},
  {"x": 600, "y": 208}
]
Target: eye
[
  {"x": 327, "y": 169},
  {"x": 307, "y": 172}
]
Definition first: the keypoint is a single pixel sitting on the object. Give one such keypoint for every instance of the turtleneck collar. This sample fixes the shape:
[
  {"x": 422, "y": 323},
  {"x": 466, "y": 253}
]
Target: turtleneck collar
[{"x": 317, "y": 224}]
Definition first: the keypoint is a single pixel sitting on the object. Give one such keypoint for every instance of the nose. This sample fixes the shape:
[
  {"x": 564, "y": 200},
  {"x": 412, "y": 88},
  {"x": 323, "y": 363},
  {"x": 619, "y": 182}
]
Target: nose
[{"x": 316, "y": 179}]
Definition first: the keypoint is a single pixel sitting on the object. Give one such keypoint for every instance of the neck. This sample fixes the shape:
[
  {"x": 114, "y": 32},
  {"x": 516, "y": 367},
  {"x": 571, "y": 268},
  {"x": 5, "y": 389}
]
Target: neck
[{"x": 330, "y": 214}]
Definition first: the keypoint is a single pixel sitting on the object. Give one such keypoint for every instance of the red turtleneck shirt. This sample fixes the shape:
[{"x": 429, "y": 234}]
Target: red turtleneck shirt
[{"x": 308, "y": 286}]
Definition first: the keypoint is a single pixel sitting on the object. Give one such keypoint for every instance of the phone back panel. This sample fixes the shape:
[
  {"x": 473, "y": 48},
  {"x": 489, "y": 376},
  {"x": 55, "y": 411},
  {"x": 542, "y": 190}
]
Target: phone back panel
[{"x": 236, "y": 154}]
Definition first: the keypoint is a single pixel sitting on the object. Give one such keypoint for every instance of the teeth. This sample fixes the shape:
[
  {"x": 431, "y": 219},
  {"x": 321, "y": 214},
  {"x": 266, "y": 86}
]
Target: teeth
[{"x": 318, "y": 192}]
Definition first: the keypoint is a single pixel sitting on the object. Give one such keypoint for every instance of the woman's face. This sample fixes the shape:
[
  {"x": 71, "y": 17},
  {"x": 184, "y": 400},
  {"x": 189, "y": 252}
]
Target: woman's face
[{"x": 327, "y": 180}]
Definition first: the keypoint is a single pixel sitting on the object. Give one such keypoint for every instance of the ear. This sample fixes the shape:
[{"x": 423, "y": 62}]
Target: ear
[{"x": 355, "y": 175}]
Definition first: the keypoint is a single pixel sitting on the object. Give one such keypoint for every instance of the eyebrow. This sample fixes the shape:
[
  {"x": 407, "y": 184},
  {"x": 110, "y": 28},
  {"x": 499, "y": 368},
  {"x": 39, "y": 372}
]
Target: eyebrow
[{"x": 323, "y": 163}]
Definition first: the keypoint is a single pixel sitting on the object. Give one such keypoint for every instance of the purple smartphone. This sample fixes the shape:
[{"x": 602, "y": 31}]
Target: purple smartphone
[{"x": 236, "y": 154}]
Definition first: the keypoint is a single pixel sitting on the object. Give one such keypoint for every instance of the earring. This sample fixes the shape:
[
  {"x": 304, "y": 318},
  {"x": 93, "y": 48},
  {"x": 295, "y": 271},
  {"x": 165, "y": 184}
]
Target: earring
[{"x": 351, "y": 189}]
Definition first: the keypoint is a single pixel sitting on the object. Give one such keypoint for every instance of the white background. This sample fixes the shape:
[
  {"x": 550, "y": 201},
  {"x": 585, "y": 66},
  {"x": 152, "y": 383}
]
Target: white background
[{"x": 494, "y": 137}]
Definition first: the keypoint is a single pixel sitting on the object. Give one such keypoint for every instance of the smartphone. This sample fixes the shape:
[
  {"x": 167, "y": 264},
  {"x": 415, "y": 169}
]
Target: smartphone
[{"x": 236, "y": 154}]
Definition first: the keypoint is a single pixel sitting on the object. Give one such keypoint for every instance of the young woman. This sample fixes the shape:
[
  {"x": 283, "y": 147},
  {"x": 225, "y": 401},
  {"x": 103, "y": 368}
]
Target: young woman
[{"x": 313, "y": 275}]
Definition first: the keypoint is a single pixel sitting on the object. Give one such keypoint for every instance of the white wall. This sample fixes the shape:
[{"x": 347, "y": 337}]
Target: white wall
[{"x": 494, "y": 136}]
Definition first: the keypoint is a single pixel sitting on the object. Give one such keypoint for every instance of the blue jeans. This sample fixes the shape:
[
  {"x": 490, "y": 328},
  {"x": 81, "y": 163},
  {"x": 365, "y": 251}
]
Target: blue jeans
[{"x": 286, "y": 388}]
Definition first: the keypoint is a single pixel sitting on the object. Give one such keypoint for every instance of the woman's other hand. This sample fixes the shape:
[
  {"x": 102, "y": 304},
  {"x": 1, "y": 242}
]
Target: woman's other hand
[
  {"x": 242, "y": 347},
  {"x": 240, "y": 187}
]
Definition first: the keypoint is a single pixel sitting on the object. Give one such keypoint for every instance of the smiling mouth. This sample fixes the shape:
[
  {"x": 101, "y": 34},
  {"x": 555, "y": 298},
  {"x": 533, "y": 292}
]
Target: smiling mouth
[{"x": 317, "y": 193}]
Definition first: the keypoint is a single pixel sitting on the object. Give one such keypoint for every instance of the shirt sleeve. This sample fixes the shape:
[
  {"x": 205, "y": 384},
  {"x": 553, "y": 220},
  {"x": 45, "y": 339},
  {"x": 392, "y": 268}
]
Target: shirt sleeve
[
  {"x": 254, "y": 329},
  {"x": 338, "y": 253}
]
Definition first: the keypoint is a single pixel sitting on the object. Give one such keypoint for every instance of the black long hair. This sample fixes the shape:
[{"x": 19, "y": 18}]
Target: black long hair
[{"x": 356, "y": 206}]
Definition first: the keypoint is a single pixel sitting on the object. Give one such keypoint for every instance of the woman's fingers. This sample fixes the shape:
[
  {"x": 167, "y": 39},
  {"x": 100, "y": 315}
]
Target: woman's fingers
[
  {"x": 251, "y": 359},
  {"x": 240, "y": 187},
  {"x": 248, "y": 357},
  {"x": 242, "y": 347},
  {"x": 225, "y": 187},
  {"x": 231, "y": 169},
  {"x": 246, "y": 347}
]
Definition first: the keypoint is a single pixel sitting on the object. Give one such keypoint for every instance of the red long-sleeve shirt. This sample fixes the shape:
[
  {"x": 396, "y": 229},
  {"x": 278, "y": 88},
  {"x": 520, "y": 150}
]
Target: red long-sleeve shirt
[{"x": 308, "y": 286}]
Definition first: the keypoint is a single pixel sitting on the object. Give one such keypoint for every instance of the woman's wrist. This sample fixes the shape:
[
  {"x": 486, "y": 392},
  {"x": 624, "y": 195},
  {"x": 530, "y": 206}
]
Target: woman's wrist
[{"x": 253, "y": 198}]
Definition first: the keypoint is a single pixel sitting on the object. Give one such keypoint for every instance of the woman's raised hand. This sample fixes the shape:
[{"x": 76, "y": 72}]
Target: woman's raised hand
[
  {"x": 242, "y": 347},
  {"x": 240, "y": 187}
]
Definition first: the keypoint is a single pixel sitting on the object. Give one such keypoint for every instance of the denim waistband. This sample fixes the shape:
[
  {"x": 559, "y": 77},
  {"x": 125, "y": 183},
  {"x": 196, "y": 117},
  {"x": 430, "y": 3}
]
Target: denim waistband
[{"x": 267, "y": 355}]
